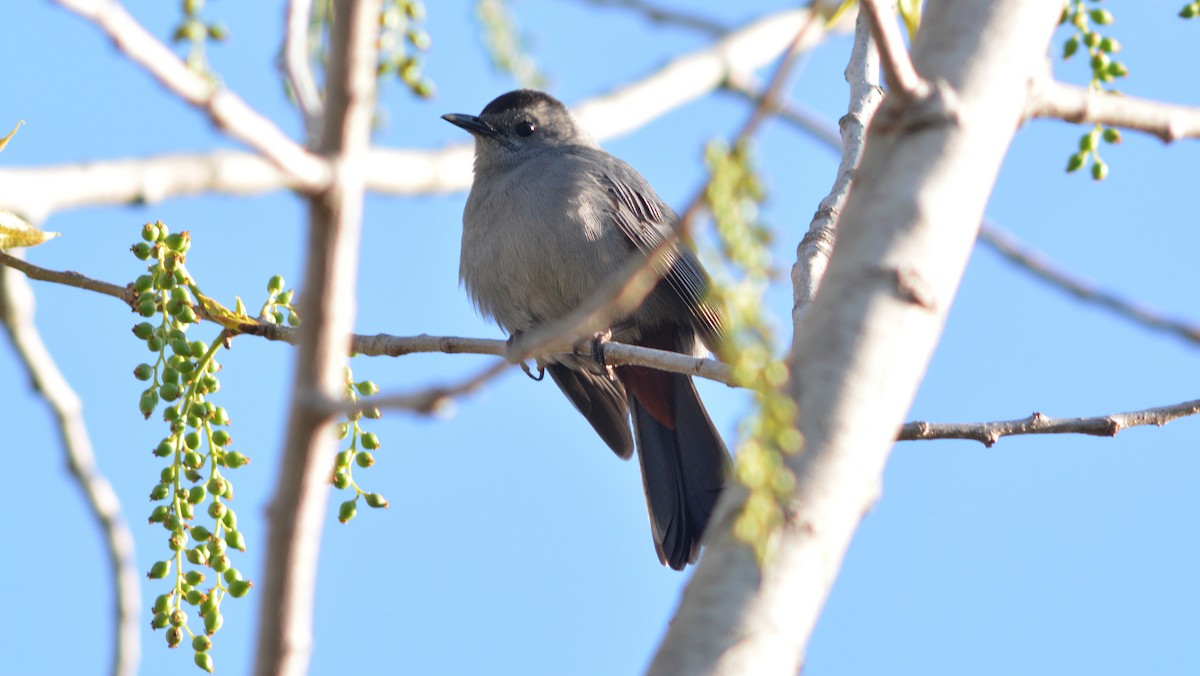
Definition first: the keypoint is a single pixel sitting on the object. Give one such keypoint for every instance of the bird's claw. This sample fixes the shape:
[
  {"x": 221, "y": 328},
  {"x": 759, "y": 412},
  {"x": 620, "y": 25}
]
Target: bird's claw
[{"x": 514, "y": 355}]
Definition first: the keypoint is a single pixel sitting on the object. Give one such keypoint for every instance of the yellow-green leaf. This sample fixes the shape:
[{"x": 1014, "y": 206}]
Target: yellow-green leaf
[
  {"x": 15, "y": 232},
  {"x": 4, "y": 141}
]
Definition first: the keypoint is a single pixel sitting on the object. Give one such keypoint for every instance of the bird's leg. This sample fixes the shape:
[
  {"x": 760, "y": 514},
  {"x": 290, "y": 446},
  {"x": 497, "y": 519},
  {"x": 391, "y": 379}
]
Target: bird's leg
[
  {"x": 596, "y": 347},
  {"x": 514, "y": 353}
]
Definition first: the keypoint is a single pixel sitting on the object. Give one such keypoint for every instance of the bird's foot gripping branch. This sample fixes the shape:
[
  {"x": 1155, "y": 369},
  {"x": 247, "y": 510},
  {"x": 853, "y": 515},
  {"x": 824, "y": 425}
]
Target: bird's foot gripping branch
[{"x": 197, "y": 444}]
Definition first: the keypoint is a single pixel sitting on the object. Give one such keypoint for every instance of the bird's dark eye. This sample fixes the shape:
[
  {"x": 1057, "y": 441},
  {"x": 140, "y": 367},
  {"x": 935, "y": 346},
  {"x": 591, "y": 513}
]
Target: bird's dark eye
[{"x": 525, "y": 128}]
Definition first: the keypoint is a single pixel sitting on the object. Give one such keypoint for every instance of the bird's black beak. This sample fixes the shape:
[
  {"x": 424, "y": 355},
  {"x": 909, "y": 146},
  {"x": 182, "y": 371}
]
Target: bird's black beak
[{"x": 472, "y": 124}]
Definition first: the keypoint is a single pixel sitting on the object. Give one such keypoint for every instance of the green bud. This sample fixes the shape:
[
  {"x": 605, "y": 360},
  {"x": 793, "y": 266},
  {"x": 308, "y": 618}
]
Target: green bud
[
  {"x": 219, "y": 562},
  {"x": 220, "y": 438},
  {"x": 171, "y": 414},
  {"x": 293, "y": 319},
  {"x": 235, "y": 540},
  {"x": 208, "y": 606},
  {"x": 238, "y": 588},
  {"x": 285, "y": 298},
  {"x": 204, "y": 661},
  {"x": 174, "y": 637},
  {"x": 220, "y": 416},
  {"x": 148, "y": 402},
  {"x": 364, "y": 459},
  {"x": 179, "y": 242},
  {"x": 141, "y": 250},
  {"x": 143, "y": 372},
  {"x": 344, "y": 458},
  {"x": 201, "y": 533},
  {"x": 1099, "y": 170},
  {"x": 1117, "y": 69},
  {"x": 1190, "y": 11},
  {"x": 199, "y": 348},
  {"x": 159, "y": 513},
  {"x": 169, "y": 391},
  {"x": 217, "y": 485},
  {"x": 375, "y": 500},
  {"x": 1112, "y": 135},
  {"x": 161, "y": 603},
  {"x": 192, "y": 440},
  {"x": 1088, "y": 141},
  {"x": 187, "y": 315},
  {"x": 198, "y": 555},
  {"x": 234, "y": 460},
  {"x": 154, "y": 344},
  {"x": 370, "y": 442},
  {"x": 194, "y": 577},
  {"x": 232, "y": 575},
  {"x": 172, "y": 523},
  {"x": 202, "y": 644},
  {"x": 341, "y": 480},
  {"x": 216, "y": 509},
  {"x": 150, "y": 232},
  {"x": 341, "y": 430},
  {"x": 195, "y": 597},
  {"x": 1101, "y": 16},
  {"x": 230, "y": 519},
  {"x": 143, "y": 330},
  {"x": 213, "y": 622},
  {"x": 372, "y": 413},
  {"x": 159, "y": 570},
  {"x": 148, "y": 308},
  {"x": 275, "y": 285},
  {"x": 177, "y": 541},
  {"x": 161, "y": 621},
  {"x": 142, "y": 285},
  {"x": 160, "y": 492},
  {"x": 1076, "y": 161},
  {"x": 347, "y": 511},
  {"x": 216, "y": 547},
  {"x": 197, "y": 495},
  {"x": 186, "y": 510},
  {"x": 178, "y": 617},
  {"x": 192, "y": 475}
]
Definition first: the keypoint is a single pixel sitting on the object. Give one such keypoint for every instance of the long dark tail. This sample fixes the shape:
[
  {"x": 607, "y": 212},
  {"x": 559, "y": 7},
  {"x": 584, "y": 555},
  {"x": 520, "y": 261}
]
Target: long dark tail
[{"x": 684, "y": 462}]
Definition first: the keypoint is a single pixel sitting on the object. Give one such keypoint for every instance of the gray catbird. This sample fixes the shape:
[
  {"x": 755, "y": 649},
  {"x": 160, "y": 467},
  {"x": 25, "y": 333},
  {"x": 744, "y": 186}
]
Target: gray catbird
[{"x": 550, "y": 218}]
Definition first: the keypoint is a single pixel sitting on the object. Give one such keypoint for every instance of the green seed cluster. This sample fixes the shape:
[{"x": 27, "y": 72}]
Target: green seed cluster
[
  {"x": 197, "y": 447},
  {"x": 769, "y": 432},
  {"x": 196, "y": 32},
  {"x": 505, "y": 43},
  {"x": 278, "y": 307},
  {"x": 1105, "y": 69},
  {"x": 1190, "y": 10},
  {"x": 359, "y": 453},
  {"x": 402, "y": 40}
]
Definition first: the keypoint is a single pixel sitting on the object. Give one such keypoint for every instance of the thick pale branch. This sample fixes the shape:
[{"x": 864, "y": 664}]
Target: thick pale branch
[
  {"x": 989, "y": 433},
  {"x": 16, "y": 314},
  {"x": 1169, "y": 122},
  {"x": 297, "y": 62},
  {"x": 297, "y": 511},
  {"x": 41, "y": 191},
  {"x": 226, "y": 109}
]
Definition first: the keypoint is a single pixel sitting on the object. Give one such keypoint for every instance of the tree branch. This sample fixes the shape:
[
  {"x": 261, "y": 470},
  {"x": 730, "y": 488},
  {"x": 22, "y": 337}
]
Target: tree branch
[
  {"x": 903, "y": 242},
  {"x": 16, "y": 313},
  {"x": 988, "y": 433},
  {"x": 125, "y": 294},
  {"x": 37, "y": 192},
  {"x": 226, "y": 109},
  {"x": 297, "y": 512},
  {"x": 1003, "y": 243},
  {"x": 902, "y": 77},
  {"x": 812, "y": 254},
  {"x": 1169, "y": 122},
  {"x": 297, "y": 62}
]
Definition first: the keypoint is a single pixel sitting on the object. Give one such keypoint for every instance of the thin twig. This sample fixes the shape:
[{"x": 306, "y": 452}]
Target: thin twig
[
  {"x": 989, "y": 433},
  {"x": 1003, "y": 243},
  {"x": 814, "y": 249},
  {"x": 297, "y": 63},
  {"x": 1071, "y": 103},
  {"x": 16, "y": 313},
  {"x": 902, "y": 77},
  {"x": 125, "y": 294},
  {"x": 667, "y": 16},
  {"x": 226, "y": 109}
]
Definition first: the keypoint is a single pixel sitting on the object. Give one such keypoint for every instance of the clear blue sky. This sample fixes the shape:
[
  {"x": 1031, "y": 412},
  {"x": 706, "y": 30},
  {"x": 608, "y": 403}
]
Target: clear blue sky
[{"x": 516, "y": 542}]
